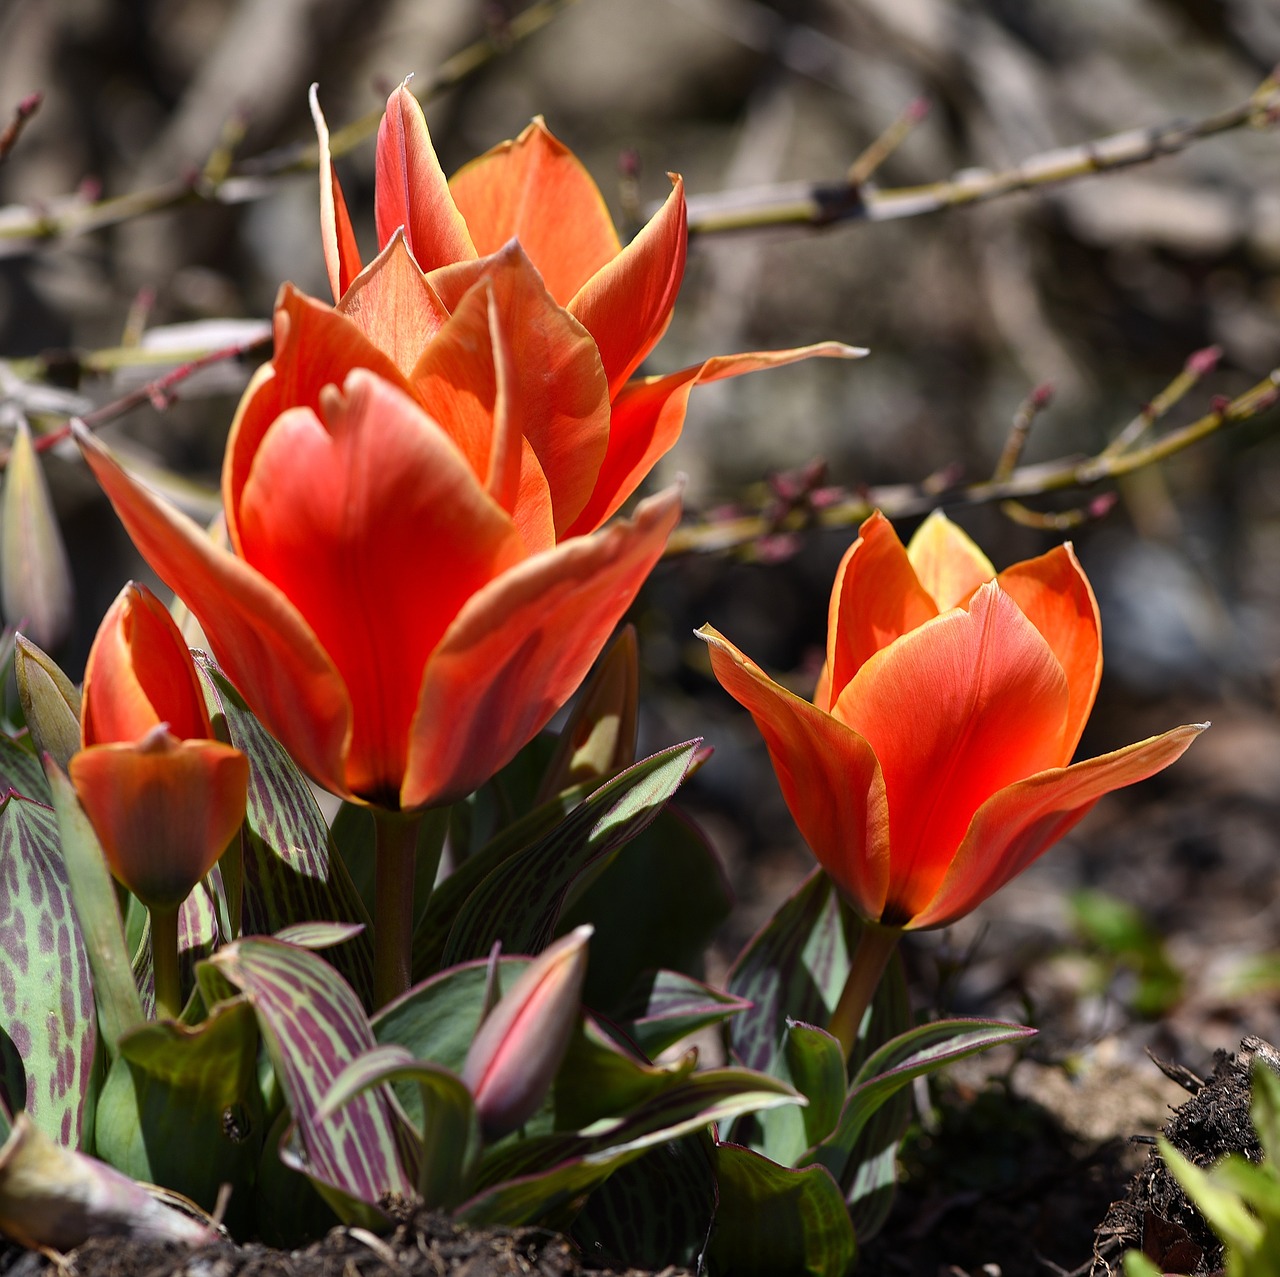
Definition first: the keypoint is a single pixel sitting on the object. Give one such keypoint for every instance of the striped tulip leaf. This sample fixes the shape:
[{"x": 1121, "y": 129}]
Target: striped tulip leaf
[
  {"x": 665, "y": 1006},
  {"x": 772, "y": 1219},
  {"x": 181, "y": 1107},
  {"x": 520, "y": 903},
  {"x": 48, "y": 1028},
  {"x": 657, "y": 903},
  {"x": 314, "y": 1026},
  {"x": 93, "y": 892},
  {"x": 449, "y": 1133},
  {"x": 813, "y": 1062},
  {"x": 540, "y": 1179},
  {"x": 20, "y": 771},
  {"x": 291, "y": 873}
]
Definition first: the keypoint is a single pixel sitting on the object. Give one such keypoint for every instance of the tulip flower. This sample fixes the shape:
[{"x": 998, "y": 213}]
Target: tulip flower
[
  {"x": 934, "y": 763},
  {"x": 532, "y": 200},
  {"x": 520, "y": 1044},
  {"x": 164, "y": 798}
]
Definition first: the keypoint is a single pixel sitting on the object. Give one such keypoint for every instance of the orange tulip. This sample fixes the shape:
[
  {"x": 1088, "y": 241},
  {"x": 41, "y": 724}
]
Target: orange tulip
[
  {"x": 164, "y": 798},
  {"x": 932, "y": 766},
  {"x": 531, "y": 206}
]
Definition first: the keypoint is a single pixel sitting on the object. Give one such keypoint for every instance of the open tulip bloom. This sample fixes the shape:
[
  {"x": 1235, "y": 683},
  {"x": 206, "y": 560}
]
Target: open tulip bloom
[
  {"x": 934, "y": 763},
  {"x": 413, "y": 484}
]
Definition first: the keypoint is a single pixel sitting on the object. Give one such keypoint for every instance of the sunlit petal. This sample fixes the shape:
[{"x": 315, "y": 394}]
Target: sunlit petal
[
  {"x": 946, "y": 561},
  {"x": 341, "y": 253},
  {"x": 829, "y": 776},
  {"x": 535, "y": 189},
  {"x": 521, "y": 646},
  {"x": 1017, "y": 824},
  {"x": 955, "y": 710}
]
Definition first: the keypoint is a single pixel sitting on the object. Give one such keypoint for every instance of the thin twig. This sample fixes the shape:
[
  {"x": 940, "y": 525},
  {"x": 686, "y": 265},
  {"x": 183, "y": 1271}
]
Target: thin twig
[
  {"x": 905, "y": 500},
  {"x": 814, "y": 205},
  {"x": 223, "y": 182}
]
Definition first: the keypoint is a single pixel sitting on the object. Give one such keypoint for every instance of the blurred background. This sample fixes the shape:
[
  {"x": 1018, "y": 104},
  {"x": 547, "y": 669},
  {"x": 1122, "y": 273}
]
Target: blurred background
[{"x": 1101, "y": 287}]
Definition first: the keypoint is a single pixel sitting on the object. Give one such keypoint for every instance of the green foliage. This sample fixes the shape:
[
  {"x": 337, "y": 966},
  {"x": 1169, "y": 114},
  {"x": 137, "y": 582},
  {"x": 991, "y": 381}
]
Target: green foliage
[{"x": 1122, "y": 940}]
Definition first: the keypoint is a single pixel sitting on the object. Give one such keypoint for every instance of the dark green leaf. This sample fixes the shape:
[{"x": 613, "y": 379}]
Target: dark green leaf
[{"x": 520, "y": 903}]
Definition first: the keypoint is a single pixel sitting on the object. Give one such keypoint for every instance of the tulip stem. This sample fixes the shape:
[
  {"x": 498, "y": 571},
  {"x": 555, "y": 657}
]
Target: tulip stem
[
  {"x": 875, "y": 947},
  {"x": 395, "y": 848},
  {"x": 164, "y": 961}
]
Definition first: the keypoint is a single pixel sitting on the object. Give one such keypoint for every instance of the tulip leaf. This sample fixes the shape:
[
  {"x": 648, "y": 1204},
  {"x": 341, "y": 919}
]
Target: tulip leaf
[
  {"x": 657, "y": 903},
  {"x": 665, "y": 1006},
  {"x": 35, "y": 573},
  {"x": 520, "y": 903},
  {"x": 94, "y": 895},
  {"x": 291, "y": 873},
  {"x": 813, "y": 1062},
  {"x": 20, "y": 771},
  {"x": 313, "y": 1026},
  {"x": 48, "y": 1026},
  {"x": 899, "y": 1062},
  {"x": 181, "y": 1106},
  {"x": 655, "y": 1212},
  {"x": 771, "y": 1219},
  {"x": 541, "y": 1179},
  {"x": 432, "y": 933},
  {"x": 448, "y": 1131}
]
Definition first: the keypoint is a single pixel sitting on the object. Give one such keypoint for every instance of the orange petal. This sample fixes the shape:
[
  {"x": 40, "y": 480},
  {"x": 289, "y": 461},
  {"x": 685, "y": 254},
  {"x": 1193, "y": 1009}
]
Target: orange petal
[
  {"x": 316, "y": 346},
  {"x": 392, "y": 304},
  {"x": 341, "y": 253},
  {"x": 257, "y": 635},
  {"x": 876, "y": 599},
  {"x": 519, "y": 649},
  {"x": 829, "y": 777},
  {"x": 372, "y": 524},
  {"x": 1055, "y": 596},
  {"x": 1013, "y": 827},
  {"x": 648, "y": 416},
  {"x": 140, "y": 673},
  {"x": 946, "y": 561},
  {"x": 557, "y": 385},
  {"x": 626, "y": 305},
  {"x": 410, "y": 188},
  {"x": 955, "y": 710},
  {"x": 536, "y": 190},
  {"x": 164, "y": 810}
]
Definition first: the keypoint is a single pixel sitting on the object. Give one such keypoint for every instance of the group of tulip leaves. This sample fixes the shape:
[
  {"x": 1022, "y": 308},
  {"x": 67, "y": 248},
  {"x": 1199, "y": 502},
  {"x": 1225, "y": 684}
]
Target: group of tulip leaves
[{"x": 277, "y": 1081}]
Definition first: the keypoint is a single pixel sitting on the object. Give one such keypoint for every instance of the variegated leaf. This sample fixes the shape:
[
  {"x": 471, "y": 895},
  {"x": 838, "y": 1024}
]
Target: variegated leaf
[{"x": 48, "y": 1028}]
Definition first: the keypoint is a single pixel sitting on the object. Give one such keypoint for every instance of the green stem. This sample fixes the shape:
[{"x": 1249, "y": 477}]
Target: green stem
[
  {"x": 164, "y": 961},
  {"x": 395, "y": 848},
  {"x": 875, "y": 947}
]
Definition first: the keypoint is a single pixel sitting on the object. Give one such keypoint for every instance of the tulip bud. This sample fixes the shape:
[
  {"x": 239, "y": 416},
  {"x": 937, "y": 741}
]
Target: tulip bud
[
  {"x": 599, "y": 737},
  {"x": 50, "y": 702},
  {"x": 164, "y": 798},
  {"x": 519, "y": 1047}
]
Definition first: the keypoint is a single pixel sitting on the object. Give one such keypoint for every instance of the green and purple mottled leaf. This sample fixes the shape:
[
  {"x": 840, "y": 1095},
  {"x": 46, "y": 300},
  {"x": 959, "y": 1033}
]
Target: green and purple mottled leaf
[
  {"x": 314, "y": 1026},
  {"x": 93, "y": 893},
  {"x": 657, "y": 903},
  {"x": 520, "y": 902},
  {"x": 290, "y": 871},
  {"x": 771, "y": 1219},
  {"x": 449, "y": 1133},
  {"x": 541, "y": 1179},
  {"x": 181, "y": 1107},
  {"x": 655, "y": 1212},
  {"x": 21, "y": 772},
  {"x": 48, "y": 1028},
  {"x": 665, "y": 1006}
]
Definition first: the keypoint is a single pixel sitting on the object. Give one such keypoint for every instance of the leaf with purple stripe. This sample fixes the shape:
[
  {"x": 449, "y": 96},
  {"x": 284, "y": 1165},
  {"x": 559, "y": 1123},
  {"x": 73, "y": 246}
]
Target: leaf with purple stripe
[
  {"x": 520, "y": 902},
  {"x": 291, "y": 873},
  {"x": 314, "y": 1027},
  {"x": 665, "y": 1006},
  {"x": 20, "y": 771},
  {"x": 48, "y": 1027}
]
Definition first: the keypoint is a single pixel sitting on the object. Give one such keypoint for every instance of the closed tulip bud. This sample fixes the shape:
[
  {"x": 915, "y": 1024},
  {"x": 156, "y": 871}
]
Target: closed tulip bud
[
  {"x": 50, "y": 701},
  {"x": 518, "y": 1050}
]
